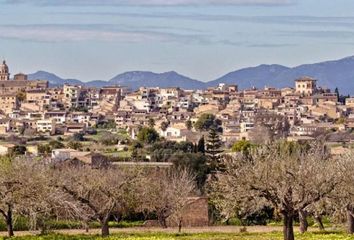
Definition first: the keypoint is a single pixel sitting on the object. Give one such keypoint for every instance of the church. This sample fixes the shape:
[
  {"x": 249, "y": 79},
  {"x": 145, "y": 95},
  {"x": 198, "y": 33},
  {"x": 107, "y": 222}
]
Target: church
[{"x": 19, "y": 83}]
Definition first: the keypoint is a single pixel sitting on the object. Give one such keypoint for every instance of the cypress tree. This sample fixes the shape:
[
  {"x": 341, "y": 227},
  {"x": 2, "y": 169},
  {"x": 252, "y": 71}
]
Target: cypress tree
[
  {"x": 201, "y": 145},
  {"x": 213, "y": 151}
]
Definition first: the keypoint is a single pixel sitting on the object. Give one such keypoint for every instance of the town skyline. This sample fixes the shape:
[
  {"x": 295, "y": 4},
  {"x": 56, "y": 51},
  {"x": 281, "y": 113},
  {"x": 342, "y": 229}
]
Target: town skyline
[{"x": 200, "y": 39}]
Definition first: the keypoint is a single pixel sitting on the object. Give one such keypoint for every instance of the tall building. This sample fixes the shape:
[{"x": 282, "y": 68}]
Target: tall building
[
  {"x": 4, "y": 72},
  {"x": 19, "y": 83},
  {"x": 306, "y": 86}
]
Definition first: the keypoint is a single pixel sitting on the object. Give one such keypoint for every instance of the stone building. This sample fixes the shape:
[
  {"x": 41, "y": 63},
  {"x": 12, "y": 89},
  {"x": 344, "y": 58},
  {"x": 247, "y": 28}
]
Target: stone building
[
  {"x": 4, "y": 72},
  {"x": 19, "y": 83},
  {"x": 305, "y": 86},
  {"x": 8, "y": 103}
]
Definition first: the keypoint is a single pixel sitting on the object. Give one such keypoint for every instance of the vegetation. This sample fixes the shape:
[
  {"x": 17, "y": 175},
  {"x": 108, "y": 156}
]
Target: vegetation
[
  {"x": 148, "y": 135},
  {"x": 195, "y": 236},
  {"x": 189, "y": 124},
  {"x": 207, "y": 121},
  {"x": 242, "y": 146},
  {"x": 164, "y": 126},
  {"x": 75, "y": 145},
  {"x": 43, "y": 193},
  {"x": 213, "y": 151},
  {"x": 109, "y": 124},
  {"x": 46, "y": 149},
  {"x": 287, "y": 176}
]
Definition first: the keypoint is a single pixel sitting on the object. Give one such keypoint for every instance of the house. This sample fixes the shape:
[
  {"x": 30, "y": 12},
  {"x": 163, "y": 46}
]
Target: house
[
  {"x": 72, "y": 128},
  {"x": 8, "y": 102},
  {"x": 81, "y": 117},
  {"x": 6, "y": 148},
  {"x": 60, "y": 155},
  {"x": 60, "y": 117},
  {"x": 177, "y": 132},
  {"x": 5, "y": 125},
  {"x": 46, "y": 126},
  {"x": 305, "y": 86}
]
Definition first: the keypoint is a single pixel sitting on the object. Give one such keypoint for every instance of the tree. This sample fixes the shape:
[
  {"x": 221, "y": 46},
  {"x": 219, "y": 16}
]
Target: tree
[
  {"x": 9, "y": 187},
  {"x": 151, "y": 123},
  {"x": 336, "y": 91},
  {"x": 189, "y": 125},
  {"x": 287, "y": 176},
  {"x": 109, "y": 139},
  {"x": 74, "y": 145},
  {"x": 18, "y": 150},
  {"x": 103, "y": 192},
  {"x": 54, "y": 144},
  {"x": 21, "y": 95},
  {"x": 242, "y": 146},
  {"x": 207, "y": 121},
  {"x": 109, "y": 124},
  {"x": 261, "y": 134},
  {"x": 164, "y": 126},
  {"x": 342, "y": 199},
  {"x": 147, "y": 135},
  {"x": 213, "y": 151},
  {"x": 41, "y": 200},
  {"x": 44, "y": 149},
  {"x": 201, "y": 145},
  {"x": 47, "y": 149},
  {"x": 24, "y": 188},
  {"x": 78, "y": 137},
  {"x": 195, "y": 163},
  {"x": 168, "y": 194}
]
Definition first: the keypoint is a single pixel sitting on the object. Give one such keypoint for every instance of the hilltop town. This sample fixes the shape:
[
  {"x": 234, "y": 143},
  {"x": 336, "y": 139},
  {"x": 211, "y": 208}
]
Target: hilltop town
[{"x": 31, "y": 111}]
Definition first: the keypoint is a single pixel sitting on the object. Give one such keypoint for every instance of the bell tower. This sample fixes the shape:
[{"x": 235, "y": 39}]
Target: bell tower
[{"x": 4, "y": 72}]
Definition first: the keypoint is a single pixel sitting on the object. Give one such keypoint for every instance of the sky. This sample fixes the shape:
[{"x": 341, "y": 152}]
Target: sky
[{"x": 202, "y": 39}]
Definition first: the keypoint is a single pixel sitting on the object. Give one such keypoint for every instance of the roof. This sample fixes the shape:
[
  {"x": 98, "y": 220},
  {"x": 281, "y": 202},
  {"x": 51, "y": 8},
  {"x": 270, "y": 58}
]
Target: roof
[{"x": 305, "y": 78}]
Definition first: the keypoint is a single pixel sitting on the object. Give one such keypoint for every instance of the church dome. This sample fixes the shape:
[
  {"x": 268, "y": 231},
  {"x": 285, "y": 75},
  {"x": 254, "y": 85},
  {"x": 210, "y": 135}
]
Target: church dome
[
  {"x": 4, "y": 72},
  {"x": 4, "y": 68}
]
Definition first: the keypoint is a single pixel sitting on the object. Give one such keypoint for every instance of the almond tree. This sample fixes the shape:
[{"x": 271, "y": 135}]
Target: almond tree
[
  {"x": 167, "y": 194},
  {"x": 341, "y": 202},
  {"x": 9, "y": 189},
  {"x": 42, "y": 199},
  {"x": 103, "y": 192},
  {"x": 14, "y": 177},
  {"x": 288, "y": 176}
]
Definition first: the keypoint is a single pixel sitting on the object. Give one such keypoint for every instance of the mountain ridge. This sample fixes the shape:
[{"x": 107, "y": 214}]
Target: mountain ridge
[{"x": 333, "y": 73}]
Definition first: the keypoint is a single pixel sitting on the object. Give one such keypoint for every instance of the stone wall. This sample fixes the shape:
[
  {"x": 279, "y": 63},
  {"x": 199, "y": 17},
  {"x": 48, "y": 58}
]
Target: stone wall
[{"x": 195, "y": 214}]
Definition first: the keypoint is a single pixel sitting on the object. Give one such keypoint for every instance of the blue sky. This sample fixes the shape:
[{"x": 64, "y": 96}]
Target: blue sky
[{"x": 203, "y": 39}]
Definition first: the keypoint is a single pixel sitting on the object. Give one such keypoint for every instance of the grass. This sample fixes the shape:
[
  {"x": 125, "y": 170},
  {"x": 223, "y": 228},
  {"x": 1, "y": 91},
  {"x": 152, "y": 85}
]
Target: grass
[
  {"x": 194, "y": 236},
  {"x": 22, "y": 224}
]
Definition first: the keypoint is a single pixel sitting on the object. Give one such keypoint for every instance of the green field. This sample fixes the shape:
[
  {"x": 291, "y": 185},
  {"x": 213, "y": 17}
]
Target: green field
[{"x": 197, "y": 236}]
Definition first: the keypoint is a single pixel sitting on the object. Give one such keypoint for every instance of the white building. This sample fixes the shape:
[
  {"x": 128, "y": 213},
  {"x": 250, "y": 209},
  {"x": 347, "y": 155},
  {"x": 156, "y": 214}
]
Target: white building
[{"x": 46, "y": 126}]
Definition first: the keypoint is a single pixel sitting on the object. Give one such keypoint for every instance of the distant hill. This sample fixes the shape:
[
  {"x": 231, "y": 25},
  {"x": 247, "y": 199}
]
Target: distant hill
[
  {"x": 260, "y": 76},
  {"x": 331, "y": 74},
  {"x": 130, "y": 79},
  {"x": 53, "y": 79},
  {"x": 150, "y": 79}
]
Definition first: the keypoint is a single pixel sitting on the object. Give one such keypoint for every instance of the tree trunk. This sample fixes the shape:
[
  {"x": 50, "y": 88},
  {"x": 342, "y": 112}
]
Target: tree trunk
[
  {"x": 288, "y": 228},
  {"x": 180, "y": 225},
  {"x": 303, "y": 221},
  {"x": 162, "y": 220},
  {"x": 9, "y": 222},
  {"x": 104, "y": 228},
  {"x": 350, "y": 220},
  {"x": 87, "y": 227},
  {"x": 318, "y": 219}
]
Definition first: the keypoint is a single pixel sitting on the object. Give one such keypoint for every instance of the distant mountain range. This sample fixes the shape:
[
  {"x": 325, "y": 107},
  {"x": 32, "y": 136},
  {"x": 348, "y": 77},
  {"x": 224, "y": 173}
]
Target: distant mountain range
[{"x": 331, "y": 74}]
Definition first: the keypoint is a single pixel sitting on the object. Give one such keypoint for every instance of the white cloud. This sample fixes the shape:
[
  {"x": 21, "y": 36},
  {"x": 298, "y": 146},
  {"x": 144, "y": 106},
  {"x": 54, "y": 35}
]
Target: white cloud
[
  {"x": 152, "y": 2},
  {"x": 62, "y": 34},
  {"x": 102, "y": 33}
]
